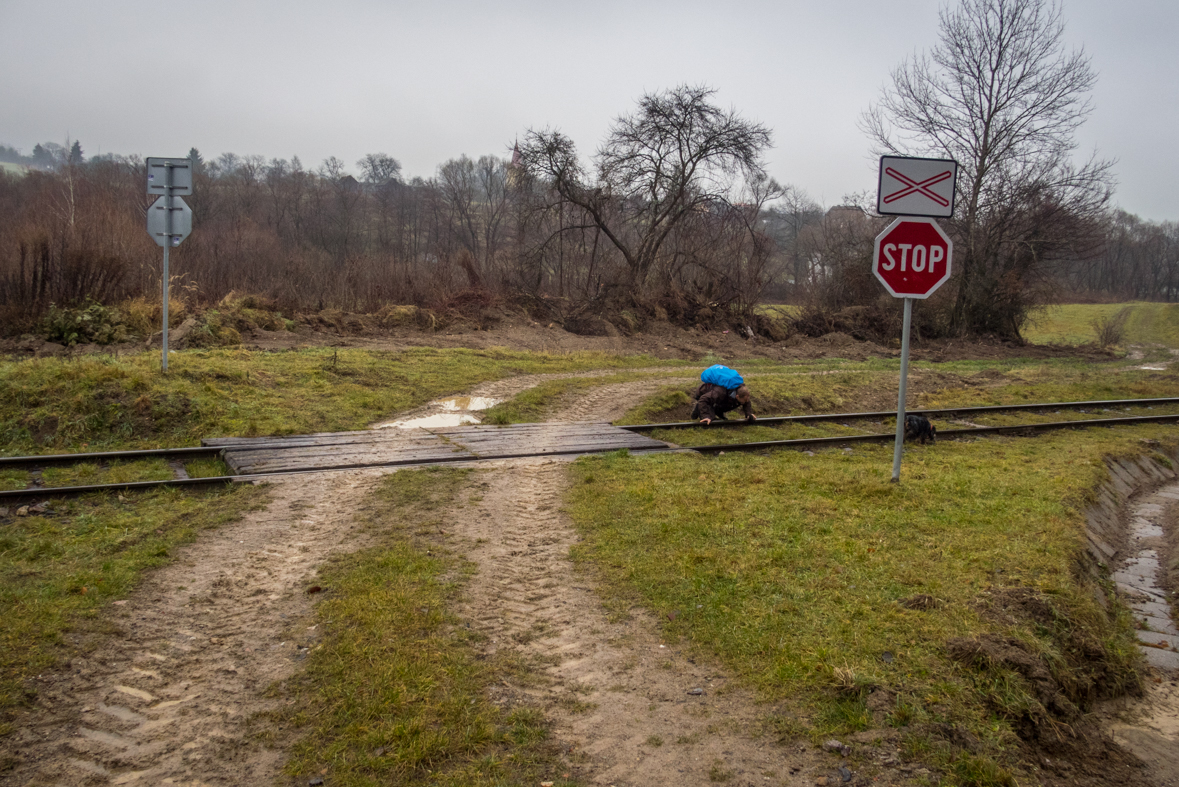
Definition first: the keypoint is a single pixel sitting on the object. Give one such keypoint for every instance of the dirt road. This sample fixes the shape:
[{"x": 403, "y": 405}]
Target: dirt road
[{"x": 169, "y": 699}]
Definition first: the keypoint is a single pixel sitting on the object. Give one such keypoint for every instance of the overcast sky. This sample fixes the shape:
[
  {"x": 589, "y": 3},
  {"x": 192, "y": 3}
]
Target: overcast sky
[{"x": 425, "y": 81}]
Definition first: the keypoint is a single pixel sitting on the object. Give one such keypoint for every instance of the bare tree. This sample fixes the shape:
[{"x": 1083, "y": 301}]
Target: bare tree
[
  {"x": 674, "y": 157},
  {"x": 339, "y": 198},
  {"x": 786, "y": 220},
  {"x": 839, "y": 250},
  {"x": 1000, "y": 94},
  {"x": 1139, "y": 260},
  {"x": 379, "y": 168}
]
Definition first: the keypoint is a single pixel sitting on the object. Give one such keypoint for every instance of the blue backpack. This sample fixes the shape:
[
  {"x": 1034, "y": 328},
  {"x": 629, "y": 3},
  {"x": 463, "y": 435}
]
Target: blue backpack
[{"x": 722, "y": 376}]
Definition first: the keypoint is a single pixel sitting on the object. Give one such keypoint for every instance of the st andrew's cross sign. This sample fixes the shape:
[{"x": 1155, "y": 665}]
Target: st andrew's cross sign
[{"x": 916, "y": 186}]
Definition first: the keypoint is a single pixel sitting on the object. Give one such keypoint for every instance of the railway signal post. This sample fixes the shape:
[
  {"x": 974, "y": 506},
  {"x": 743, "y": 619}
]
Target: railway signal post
[{"x": 912, "y": 256}]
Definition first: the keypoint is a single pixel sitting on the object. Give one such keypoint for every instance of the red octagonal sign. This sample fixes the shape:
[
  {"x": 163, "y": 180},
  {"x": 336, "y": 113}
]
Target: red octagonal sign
[{"x": 912, "y": 257}]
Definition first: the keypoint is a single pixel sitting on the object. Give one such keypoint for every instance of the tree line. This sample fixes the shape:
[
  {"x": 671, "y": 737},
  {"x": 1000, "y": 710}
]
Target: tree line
[
  {"x": 483, "y": 229},
  {"x": 479, "y": 229},
  {"x": 673, "y": 217}
]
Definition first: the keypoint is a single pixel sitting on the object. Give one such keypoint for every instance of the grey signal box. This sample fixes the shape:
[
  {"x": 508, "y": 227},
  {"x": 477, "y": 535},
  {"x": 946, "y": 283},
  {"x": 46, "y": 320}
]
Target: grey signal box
[{"x": 165, "y": 172}]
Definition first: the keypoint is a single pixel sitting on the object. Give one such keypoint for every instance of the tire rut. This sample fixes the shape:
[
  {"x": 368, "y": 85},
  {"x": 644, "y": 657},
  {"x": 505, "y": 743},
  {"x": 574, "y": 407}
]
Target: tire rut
[
  {"x": 607, "y": 402},
  {"x": 169, "y": 698},
  {"x": 628, "y": 708}
]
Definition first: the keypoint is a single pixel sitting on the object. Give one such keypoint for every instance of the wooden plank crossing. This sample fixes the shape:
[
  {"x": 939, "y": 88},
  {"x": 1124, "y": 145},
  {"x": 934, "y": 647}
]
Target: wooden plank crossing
[
  {"x": 387, "y": 447},
  {"x": 337, "y": 451}
]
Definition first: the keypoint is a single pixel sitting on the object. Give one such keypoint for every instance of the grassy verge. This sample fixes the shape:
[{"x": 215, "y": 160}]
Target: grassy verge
[
  {"x": 779, "y": 390},
  {"x": 669, "y": 403},
  {"x": 783, "y": 310},
  {"x": 824, "y": 587},
  {"x": 754, "y": 433},
  {"x": 102, "y": 403},
  {"x": 1149, "y": 323},
  {"x": 1053, "y": 382},
  {"x": 872, "y": 386},
  {"x": 62, "y": 564},
  {"x": 703, "y": 436},
  {"x": 396, "y": 694},
  {"x": 87, "y": 473}
]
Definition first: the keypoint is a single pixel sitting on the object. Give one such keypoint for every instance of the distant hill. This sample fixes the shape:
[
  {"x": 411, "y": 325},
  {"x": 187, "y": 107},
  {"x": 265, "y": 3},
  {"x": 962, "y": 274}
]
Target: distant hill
[{"x": 13, "y": 169}]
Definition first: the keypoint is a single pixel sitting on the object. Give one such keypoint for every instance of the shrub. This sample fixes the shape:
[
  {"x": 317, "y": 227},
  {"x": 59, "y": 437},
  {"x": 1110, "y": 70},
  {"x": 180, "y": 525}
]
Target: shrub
[
  {"x": 90, "y": 323},
  {"x": 213, "y": 331},
  {"x": 1111, "y": 329},
  {"x": 142, "y": 316},
  {"x": 392, "y": 316}
]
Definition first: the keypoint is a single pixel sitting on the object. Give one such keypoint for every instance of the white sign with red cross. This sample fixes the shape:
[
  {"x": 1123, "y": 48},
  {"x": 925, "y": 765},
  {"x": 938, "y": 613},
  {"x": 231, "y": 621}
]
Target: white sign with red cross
[
  {"x": 912, "y": 257},
  {"x": 916, "y": 186}
]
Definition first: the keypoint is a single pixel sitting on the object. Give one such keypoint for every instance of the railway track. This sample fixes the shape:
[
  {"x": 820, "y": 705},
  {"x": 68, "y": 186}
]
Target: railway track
[{"x": 176, "y": 456}]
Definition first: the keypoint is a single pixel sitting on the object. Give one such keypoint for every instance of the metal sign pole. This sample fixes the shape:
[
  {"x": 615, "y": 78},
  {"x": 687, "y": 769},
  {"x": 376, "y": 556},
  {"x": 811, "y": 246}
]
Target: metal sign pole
[
  {"x": 169, "y": 220},
  {"x": 900, "y": 441},
  {"x": 912, "y": 256},
  {"x": 167, "y": 243}
]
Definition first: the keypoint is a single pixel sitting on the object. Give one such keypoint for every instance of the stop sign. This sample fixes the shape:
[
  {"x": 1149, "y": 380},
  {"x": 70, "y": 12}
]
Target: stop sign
[{"x": 912, "y": 257}]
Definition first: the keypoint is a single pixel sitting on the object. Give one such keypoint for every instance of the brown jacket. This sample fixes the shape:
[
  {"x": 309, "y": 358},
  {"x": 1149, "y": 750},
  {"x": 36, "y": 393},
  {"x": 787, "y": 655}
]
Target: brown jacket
[{"x": 713, "y": 401}]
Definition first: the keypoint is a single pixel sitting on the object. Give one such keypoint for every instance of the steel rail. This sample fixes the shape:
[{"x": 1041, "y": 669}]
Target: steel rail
[
  {"x": 49, "y": 460},
  {"x": 67, "y": 491},
  {"x": 892, "y": 413},
  {"x": 125, "y": 486},
  {"x": 46, "y": 460},
  {"x": 889, "y": 437},
  {"x": 42, "y": 492}
]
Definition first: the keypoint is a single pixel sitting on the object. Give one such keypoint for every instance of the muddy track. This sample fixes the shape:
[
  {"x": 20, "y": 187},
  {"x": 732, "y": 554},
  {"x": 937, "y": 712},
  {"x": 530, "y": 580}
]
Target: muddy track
[
  {"x": 628, "y": 708},
  {"x": 167, "y": 699},
  {"x": 608, "y": 402}
]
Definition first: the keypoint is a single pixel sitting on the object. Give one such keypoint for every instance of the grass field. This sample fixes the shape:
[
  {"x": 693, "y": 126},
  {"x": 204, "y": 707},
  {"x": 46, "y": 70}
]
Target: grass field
[
  {"x": 107, "y": 403},
  {"x": 1148, "y": 323},
  {"x": 797, "y": 571}
]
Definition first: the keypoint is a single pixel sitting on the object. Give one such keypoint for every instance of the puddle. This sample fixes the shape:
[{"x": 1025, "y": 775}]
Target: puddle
[
  {"x": 465, "y": 403},
  {"x": 431, "y": 421},
  {"x": 1137, "y": 579},
  {"x": 455, "y": 411}
]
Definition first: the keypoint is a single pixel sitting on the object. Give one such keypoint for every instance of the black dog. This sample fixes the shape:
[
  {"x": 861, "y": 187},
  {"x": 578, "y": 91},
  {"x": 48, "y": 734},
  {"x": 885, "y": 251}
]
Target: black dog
[{"x": 918, "y": 427}]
